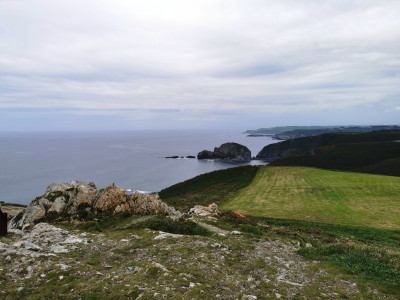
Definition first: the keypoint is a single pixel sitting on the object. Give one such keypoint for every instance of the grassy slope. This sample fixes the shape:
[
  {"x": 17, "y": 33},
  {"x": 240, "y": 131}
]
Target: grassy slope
[
  {"x": 321, "y": 195},
  {"x": 345, "y": 216},
  {"x": 205, "y": 189}
]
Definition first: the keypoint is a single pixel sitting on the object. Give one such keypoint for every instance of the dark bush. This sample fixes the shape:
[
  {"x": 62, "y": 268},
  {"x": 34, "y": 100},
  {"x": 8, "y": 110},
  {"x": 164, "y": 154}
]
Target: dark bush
[{"x": 181, "y": 226}]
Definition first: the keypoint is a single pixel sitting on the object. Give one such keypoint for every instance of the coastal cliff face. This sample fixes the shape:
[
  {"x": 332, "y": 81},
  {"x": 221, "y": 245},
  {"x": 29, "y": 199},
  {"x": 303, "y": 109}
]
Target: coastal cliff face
[
  {"x": 78, "y": 200},
  {"x": 227, "y": 152},
  {"x": 295, "y": 147}
]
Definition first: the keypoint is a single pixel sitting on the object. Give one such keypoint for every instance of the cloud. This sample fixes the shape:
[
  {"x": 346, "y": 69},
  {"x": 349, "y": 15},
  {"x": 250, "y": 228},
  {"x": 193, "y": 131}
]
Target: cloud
[{"x": 198, "y": 57}]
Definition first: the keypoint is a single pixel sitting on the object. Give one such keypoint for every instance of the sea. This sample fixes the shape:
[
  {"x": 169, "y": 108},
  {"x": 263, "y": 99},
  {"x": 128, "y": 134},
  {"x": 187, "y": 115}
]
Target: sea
[{"x": 132, "y": 160}]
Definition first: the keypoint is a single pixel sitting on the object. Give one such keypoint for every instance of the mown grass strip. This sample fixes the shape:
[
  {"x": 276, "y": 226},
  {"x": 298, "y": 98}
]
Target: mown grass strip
[{"x": 309, "y": 194}]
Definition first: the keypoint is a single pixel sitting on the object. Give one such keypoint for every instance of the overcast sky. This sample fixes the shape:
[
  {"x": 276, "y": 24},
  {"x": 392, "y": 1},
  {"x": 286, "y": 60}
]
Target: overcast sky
[{"x": 95, "y": 64}]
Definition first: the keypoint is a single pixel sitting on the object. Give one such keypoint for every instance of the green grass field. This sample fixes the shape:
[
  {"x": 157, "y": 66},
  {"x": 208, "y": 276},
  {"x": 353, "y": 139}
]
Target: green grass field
[
  {"x": 351, "y": 219},
  {"x": 301, "y": 193}
]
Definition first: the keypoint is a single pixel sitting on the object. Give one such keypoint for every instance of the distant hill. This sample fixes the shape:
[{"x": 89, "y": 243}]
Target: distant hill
[
  {"x": 291, "y": 132},
  {"x": 371, "y": 152}
]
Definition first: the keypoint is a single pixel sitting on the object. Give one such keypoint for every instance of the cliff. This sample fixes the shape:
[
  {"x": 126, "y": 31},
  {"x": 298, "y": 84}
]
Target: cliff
[{"x": 373, "y": 152}]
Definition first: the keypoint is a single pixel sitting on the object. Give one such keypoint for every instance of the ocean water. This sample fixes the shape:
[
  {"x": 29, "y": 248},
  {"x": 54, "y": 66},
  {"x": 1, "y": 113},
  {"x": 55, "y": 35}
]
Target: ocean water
[{"x": 135, "y": 160}]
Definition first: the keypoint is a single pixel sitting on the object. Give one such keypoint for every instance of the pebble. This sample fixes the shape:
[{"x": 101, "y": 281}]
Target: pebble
[{"x": 249, "y": 297}]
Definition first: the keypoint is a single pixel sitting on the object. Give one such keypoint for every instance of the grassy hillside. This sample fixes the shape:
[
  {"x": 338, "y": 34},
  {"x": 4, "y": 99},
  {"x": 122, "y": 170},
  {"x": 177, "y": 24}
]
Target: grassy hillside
[
  {"x": 205, "y": 189},
  {"x": 359, "y": 157},
  {"x": 349, "y": 220},
  {"x": 325, "y": 196},
  {"x": 361, "y": 152}
]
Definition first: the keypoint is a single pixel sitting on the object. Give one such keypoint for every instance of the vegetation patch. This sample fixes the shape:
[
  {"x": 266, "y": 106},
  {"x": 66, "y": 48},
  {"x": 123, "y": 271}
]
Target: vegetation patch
[
  {"x": 165, "y": 224},
  {"x": 372, "y": 152},
  {"x": 213, "y": 187},
  {"x": 236, "y": 218},
  {"x": 372, "y": 264},
  {"x": 369, "y": 235}
]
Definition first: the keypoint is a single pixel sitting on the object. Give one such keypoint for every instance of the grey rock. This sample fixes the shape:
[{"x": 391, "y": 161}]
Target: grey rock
[
  {"x": 77, "y": 200},
  {"x": 205, "y": 211},
  {"x": 32, "y": 247},
  {"x": 249, "y": 297}
]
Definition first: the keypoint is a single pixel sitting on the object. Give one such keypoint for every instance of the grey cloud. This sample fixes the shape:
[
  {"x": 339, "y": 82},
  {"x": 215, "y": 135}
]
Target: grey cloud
[{"x": 197, "y": 57}]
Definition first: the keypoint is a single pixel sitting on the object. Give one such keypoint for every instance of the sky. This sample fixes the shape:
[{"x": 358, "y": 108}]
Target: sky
[{"x": 198, "y": 64}]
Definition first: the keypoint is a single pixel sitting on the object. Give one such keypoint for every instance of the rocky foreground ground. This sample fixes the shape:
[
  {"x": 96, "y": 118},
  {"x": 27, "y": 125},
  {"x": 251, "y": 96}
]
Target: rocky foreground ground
[
  {"x": 49, "y": 262},
  {"x": 115, "y": 257}
]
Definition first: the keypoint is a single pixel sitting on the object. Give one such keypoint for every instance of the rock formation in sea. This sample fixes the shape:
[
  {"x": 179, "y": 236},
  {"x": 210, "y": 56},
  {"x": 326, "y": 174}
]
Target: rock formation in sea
[
  {"x": 228, "y": 152},
  {"x": 80, "y": 201}
]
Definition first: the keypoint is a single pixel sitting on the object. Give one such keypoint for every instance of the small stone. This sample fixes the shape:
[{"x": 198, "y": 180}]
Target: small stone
[
  {"x": 278, "y": 296},
  {"x": 63, "y": 267},
  {"x": 20, "y": 289},
  {"x": 43, "y": 275},
  {"x": 192, "y": 285},
  {"x": 29, "y": 269},
  {"x": 61, "y": 277},
  {"x": 235, "y": 232},
  {"x": 8, "y": 258},
  {"x": 249, "y": 297},
  {"x": 32, "y": 247},
  {"x": 308, "y": 245},
  {"x": 107, "y": 267},
  {"x": 124, "y": 240}
]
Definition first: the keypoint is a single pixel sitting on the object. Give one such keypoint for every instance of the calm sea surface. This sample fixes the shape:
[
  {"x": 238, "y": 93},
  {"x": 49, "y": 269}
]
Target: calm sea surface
[{"x": 29, "y": 162}]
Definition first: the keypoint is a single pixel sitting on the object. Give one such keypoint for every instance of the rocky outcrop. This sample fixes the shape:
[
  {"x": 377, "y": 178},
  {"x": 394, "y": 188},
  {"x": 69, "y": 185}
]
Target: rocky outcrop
[
  {"x": 205, "y": 211},
  {"x": 80, "y": 201},
  {"x": 43, "y": 240},
  {"x": 232, "y": 152}
]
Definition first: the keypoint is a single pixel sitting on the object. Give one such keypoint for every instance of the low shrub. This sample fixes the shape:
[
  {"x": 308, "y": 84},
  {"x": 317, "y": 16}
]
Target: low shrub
[
  {"x": 181, "y": 226},
  {"x": 371, "y": 263},
  {"x": 252, "y": 229}
]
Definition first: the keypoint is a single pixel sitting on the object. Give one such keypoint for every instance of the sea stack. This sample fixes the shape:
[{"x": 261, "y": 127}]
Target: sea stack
[{"x": 230, "y": 152}]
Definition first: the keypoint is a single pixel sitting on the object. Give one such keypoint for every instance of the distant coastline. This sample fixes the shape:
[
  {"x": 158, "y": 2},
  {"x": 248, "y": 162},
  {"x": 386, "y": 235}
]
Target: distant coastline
[{"x": 291, "y": 132}]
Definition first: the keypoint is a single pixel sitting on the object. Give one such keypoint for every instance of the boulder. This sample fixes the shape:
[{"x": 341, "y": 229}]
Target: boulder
[
  {"x": 80, "y": 201},
  {"x": 110, "y": 198},
  {"x": 232, "y": 152},
  {"x": 205, "y": 211}
]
